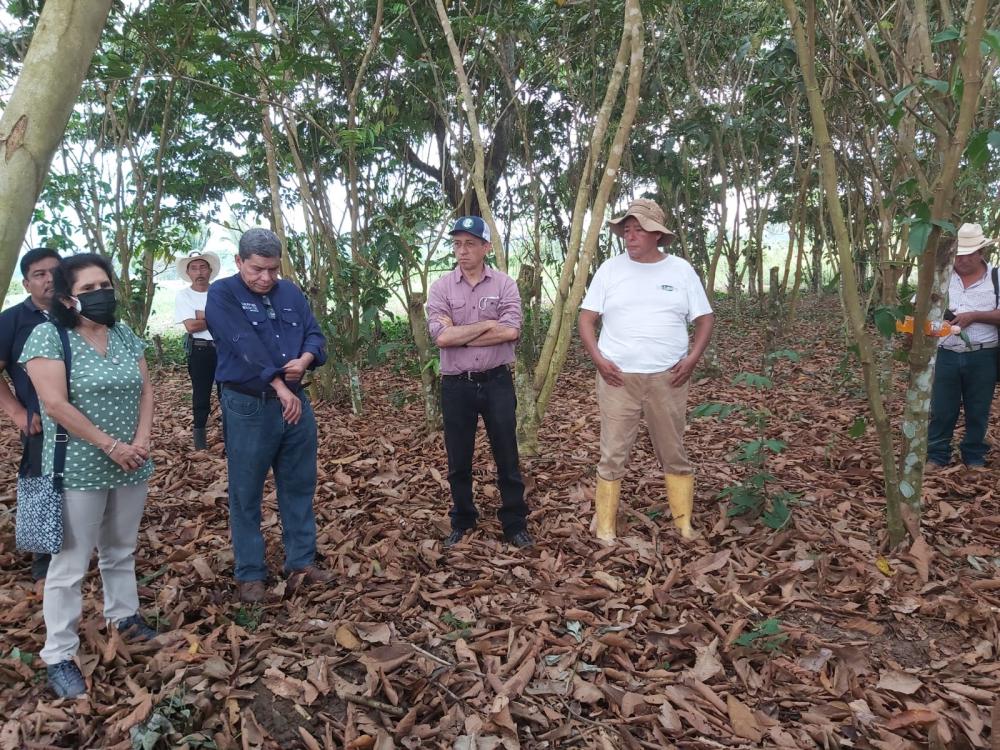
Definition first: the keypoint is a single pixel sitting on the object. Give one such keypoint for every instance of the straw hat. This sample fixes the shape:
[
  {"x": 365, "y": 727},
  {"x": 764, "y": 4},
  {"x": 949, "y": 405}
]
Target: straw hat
[
  {"x": 650, "y": 217},
  {"x": 209, "y": 257},
  {"x": 971, "y": 238}
]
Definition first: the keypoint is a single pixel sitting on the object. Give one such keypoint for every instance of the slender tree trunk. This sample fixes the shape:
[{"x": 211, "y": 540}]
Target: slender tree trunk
[
  {"x": 634, "y": 31},
  {"x": 35, "y": 118},
  {"x": 478, "y": 152}
]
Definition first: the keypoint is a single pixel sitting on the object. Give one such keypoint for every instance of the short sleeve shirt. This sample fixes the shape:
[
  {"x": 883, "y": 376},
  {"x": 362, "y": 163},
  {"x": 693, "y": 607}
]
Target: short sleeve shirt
[
  {"x": 16, "y": 324},
  {"x": 645, "y": 309},
  {"x": 106, "y": 390},
  {"x": 186, "y": 303},
  {"x": 977, "y": 297}
]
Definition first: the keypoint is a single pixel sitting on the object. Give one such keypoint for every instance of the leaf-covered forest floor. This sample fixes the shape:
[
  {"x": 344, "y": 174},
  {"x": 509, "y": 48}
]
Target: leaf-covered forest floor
[{"x": 747, "y": 637}]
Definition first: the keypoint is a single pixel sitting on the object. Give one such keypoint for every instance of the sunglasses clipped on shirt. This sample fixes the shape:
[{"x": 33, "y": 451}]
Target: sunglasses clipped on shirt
[{"x": 268, "y": 308}]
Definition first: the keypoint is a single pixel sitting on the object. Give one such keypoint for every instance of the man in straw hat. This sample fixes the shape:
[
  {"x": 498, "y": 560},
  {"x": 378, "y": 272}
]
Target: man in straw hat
[
  {"x": 645, "y": 299},
  {"x": 966, "y": 371},
  {"x": 198, "y": 269}
]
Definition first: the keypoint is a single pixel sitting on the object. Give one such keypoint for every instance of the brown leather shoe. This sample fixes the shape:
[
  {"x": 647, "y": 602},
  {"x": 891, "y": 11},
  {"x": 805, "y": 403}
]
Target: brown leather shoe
[
  {"x": 252, "y": 592},
  {"x": 308, "y": 575}
]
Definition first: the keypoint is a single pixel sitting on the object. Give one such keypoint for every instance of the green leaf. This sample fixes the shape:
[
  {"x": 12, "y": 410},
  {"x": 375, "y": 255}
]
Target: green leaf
[
  {"x": 885, "y": 320},
  {"x": 938, "y": 85},
  {"x": 991, "y": 38},
  {"x": 920, "y": 231},
  {"x": 978, "y": 150},
  {"x": 752, "y": 379},
  {"x": 994, "y": 139},
  {"x": 790, "y": 354},
  {"x": 902, "y": 94},
  {"x": 776, "y": 445},
  {"x": 946, "y": 226},
  {"x": 946, "y": 35},
  {"x": 777, "y": 515},
  {"x": 858, "y": 428}
]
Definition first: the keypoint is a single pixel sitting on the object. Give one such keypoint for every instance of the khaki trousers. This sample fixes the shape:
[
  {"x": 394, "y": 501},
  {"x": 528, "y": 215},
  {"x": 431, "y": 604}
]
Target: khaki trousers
[
  {"x": 108, "y": 520},
  {"x": 649, "y": 397}
]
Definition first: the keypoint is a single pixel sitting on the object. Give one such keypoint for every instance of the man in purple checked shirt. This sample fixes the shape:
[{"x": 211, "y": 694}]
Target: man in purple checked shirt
[{"x": 474, "y": 316}]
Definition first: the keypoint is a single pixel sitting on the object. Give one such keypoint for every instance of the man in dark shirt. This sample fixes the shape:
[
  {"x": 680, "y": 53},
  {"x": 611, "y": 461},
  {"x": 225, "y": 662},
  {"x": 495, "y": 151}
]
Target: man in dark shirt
[
  {"x": 266, "y": 338},
  {"x": 16, "y": 323}
]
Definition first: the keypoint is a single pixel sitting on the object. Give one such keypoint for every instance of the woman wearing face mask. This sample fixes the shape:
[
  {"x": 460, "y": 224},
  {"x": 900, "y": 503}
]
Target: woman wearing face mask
[{"x": 108, "y": 414}]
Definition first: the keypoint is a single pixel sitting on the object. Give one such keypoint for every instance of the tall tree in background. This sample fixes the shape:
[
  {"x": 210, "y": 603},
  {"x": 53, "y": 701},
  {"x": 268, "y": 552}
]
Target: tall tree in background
[
  {"x": 35, "y": 118},
  {"x": 945, "y": 79}
]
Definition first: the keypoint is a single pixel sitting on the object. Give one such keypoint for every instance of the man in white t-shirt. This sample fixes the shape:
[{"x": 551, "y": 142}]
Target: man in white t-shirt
[
  {"x": 189, "y": 310},
  {"x": 645, "y": 300}
]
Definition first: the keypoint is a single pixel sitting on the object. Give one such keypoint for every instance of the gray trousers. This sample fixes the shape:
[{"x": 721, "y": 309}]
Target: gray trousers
[{"x": 105, "y": 519}]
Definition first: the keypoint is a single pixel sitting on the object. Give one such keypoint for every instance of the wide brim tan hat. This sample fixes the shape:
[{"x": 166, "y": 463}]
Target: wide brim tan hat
[
  {"x": 971, "y": 239},
  {"x": 209, "y": 257},
  {"x": 650, "y": 217}
]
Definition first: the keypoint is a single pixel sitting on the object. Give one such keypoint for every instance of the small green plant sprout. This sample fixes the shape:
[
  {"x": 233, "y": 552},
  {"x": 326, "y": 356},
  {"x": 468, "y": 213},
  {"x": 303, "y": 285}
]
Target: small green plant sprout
[
  {"x": 715, "y": 409},
  {"x": 456, "y": 623},
  {"x": 249, "y": 617},
  {"x": 752, "y": 380},
  {"x": 755, "y": 452},
  {"x": 25, "y": 657},
  {"x": 766, "y": 636},
  {"x": 459, "y": 627}
]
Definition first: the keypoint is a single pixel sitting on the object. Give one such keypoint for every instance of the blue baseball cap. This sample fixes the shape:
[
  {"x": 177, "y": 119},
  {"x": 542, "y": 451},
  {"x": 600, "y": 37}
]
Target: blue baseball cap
[{"x": 473, "y": 225}]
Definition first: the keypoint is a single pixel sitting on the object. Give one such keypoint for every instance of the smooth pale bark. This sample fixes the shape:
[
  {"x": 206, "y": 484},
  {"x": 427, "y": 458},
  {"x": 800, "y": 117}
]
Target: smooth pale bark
[
  {"x": 35, "y": 118},
  {"x": 430, "y": 383},
  {"x": 533, "y": 393},
  {"x": 478, "y": 152},
  {"x": 634, "y": 30}
]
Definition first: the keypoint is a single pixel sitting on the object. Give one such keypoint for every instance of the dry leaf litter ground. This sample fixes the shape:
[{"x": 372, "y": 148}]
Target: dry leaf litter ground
[{"x": 746, "y": 637}]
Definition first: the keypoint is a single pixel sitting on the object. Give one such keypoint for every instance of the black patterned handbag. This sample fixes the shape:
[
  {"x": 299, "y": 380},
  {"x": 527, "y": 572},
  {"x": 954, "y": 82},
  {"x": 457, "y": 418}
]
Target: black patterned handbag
[{"x": 38, "y": 525}]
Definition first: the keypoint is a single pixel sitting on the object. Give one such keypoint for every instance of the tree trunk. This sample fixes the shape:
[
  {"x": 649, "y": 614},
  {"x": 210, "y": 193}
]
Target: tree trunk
[
  {"x": 430, "y": 382},
  {"x": 35, "y": 118}
]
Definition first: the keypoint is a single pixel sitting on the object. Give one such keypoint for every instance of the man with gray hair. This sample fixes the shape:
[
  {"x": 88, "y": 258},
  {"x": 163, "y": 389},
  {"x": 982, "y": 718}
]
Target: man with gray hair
[{"x": 266, "y": 338}]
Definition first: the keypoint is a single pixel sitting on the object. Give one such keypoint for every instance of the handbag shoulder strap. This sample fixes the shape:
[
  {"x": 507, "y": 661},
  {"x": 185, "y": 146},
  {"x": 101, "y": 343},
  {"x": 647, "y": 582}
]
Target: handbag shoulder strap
[{"x": 62, "y": 437}]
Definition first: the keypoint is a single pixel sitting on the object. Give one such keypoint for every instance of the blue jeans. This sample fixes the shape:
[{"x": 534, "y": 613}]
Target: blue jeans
[
  {"x": 257, "y": 439},
  {"x": 961, "y": 379}
]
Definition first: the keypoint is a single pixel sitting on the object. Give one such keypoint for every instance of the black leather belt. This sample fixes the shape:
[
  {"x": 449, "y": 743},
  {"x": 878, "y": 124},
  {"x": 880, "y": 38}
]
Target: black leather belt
[
  {"x": 202, "y": 343},
  {"x": 268, "y": 394},
  {"x": 480, "y": 377}
]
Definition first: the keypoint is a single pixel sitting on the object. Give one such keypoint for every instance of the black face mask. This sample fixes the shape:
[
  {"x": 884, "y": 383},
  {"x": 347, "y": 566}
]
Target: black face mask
[{"x": 98, "y": 306}]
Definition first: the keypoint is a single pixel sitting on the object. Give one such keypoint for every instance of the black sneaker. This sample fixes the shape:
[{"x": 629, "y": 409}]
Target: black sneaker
[
  {"x": 454, "y": 538},
  {"x": 522, "y": 539},
  {"x": 134, "y": 628},
  {"x": 66, "y": 680}
]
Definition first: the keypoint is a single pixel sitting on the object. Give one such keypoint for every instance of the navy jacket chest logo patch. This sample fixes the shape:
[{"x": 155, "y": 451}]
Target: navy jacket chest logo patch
[{"x": 250, "y": 306}]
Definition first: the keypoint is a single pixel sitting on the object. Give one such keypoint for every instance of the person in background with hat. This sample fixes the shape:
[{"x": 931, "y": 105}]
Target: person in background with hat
[
  {"x": 267, "y": 338},
  {"x": 189, "y": 310},
  {"x": 966, "y": 373},
  {"x": 474, "y": 317},
  {"x": 645, "y": 300}
]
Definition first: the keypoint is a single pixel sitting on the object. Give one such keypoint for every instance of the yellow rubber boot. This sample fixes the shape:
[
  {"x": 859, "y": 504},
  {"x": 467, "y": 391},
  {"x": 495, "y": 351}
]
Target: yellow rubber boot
[
  {"x": 680, "y": 495},
  {"x": 606, "y": 504}
]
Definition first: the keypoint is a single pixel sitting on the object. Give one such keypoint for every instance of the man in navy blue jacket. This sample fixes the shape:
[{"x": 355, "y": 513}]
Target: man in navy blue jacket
[
  {"x": 266, "y": 338},
  {"x": 16, "y": 324}
]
